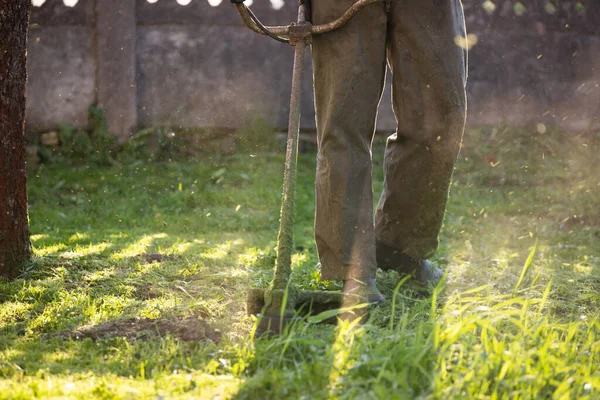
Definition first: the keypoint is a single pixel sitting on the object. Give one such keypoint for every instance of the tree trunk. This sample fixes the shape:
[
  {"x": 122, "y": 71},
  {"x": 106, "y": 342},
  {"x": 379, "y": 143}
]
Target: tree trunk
[{"x": 15, "y": 246}]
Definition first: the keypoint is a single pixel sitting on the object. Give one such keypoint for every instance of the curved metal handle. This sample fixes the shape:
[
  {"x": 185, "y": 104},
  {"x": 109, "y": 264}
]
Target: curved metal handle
[
  {"x": 341, "y": 21},
  {"x": 249, "y": 21},
  {"x": 252, "y": 22}
]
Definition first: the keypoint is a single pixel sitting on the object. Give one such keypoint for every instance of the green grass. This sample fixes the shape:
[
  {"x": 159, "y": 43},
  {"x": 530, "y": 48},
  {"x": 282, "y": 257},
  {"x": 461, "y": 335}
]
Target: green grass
[{"x": 516, "y": 318}]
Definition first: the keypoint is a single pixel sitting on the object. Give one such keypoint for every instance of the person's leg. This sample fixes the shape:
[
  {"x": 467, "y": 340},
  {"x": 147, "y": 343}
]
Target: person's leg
[
  {"x": 349, "y": 72},
  {"x": 429, "y": 99}
]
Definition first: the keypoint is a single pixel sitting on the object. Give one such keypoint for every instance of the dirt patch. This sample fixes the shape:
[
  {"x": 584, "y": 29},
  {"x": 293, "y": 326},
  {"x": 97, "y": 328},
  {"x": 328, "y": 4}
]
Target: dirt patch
[{"x": 191, "y": 329}]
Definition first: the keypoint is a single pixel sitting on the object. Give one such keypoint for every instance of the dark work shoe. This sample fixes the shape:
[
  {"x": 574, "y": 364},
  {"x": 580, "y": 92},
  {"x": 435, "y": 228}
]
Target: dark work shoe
[
  {"x": 364, "y": 289},
  {"x": 424, "y": 271},
  {"x": 428, "y": 274}
]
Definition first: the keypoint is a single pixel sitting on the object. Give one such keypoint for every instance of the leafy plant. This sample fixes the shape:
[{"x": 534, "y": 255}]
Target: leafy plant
[{"x": 92, "y": 145}]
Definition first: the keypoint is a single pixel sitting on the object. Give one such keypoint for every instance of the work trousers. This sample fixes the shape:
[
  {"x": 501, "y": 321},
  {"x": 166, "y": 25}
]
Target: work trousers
[{"x": 423, "y": 42}]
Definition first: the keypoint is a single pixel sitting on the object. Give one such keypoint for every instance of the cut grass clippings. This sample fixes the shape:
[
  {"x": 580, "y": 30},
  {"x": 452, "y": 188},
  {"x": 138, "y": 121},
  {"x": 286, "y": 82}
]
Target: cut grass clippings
[{"x": 138, "y": 284}]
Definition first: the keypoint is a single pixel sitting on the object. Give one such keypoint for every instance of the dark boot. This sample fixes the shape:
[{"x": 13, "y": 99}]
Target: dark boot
[
  {"x": 424, "y": 271},
  {"x": 428, "y": 274},
  {"x": 363, "y": 290}
]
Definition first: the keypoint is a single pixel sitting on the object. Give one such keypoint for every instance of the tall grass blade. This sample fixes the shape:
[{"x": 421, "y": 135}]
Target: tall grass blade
[
  {"x": 284, "y": 303},
  {"x": 525, "y": 269},
  {"x": 316, "y": 319},
  {"x": 545, "y": 297},
  {"x": 395, "y": 295},
  {"x": 436, "y": 291}
]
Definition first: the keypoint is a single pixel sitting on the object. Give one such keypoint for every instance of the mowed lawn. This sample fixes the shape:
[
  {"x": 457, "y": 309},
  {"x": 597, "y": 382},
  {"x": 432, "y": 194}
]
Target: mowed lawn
[{"x": 138, "y": 284}]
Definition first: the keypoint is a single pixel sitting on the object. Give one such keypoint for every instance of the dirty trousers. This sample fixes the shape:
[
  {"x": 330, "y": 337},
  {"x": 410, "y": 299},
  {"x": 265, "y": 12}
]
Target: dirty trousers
[{"x": 423, "y": 44}]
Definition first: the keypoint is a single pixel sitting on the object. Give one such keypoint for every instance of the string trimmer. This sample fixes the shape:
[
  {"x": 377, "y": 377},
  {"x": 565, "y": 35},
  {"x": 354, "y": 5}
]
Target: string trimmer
[{"x": 281, "y": 303}]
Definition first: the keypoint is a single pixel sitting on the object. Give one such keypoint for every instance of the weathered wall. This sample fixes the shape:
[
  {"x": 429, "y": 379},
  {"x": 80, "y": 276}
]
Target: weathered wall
[
  {"x": 197, "y": 66},
  {"x": 540, "y": 66},
  {"x": 61, "y": 65}
]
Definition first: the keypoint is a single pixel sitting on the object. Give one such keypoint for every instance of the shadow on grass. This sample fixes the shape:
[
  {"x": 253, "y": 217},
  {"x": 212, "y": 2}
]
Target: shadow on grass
[{"x": 74, "y": 289}]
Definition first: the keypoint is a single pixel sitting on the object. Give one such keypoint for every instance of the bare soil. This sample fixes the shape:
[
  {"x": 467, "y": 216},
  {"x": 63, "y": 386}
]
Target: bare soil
[{"x": 184, "y": 328}]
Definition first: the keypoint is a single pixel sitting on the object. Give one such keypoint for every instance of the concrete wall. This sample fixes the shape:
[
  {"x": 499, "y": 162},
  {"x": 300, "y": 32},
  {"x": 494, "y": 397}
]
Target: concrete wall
[
  {"x": 541, "y": 66},
  {"x": 197, "y": 66},
  {"x": 61, "y": 65}
]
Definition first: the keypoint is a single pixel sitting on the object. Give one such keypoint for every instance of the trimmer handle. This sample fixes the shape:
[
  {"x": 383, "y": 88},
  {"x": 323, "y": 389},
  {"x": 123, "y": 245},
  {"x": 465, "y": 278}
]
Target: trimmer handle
[{"x": 287, "y": 34}]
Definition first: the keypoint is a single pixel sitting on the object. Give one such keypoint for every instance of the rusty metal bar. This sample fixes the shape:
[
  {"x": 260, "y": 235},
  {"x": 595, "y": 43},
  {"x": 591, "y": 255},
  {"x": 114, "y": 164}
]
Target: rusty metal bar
[
  {"x": 341, "y": 21},
  {"x": 338, "y": 23},
  {"x": 245, "y": 14}
]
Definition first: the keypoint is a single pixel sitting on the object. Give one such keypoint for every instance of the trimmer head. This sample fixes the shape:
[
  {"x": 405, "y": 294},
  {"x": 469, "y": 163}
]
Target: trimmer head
[
  {"x": 298, "y": 306},
  {"x": 305, "y": 303},
  {"x": 273, "y": 326}
]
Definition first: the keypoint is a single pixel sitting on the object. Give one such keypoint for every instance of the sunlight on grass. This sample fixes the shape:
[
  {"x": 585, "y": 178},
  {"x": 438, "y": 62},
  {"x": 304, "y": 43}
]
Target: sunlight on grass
[
  {"x": 253, "y": 255},
  {"x": 140, "y": 246},
  {"x": 154, "y": 308},
  {"x": 100, "y": 275},
  {"x": 222, "y": 250},
  {"x": 78, "y": 236},
  {"x": 82, "y": 251},
  {"x": 494, "y": 343},
  {"x": 11, "y": 311},
  {"x": 347, "y": 333},
  {"x": 498, "y": 329},
  {"x": 179, "y": 248},
  {"x": 35, "y": 238},
  {"x": 298, "y": 259},
  {"x": 49, "y": 250}
]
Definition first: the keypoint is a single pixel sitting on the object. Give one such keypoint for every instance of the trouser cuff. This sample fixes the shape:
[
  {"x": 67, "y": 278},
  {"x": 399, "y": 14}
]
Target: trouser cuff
[
  {"x": 332, "y": 269},
  {"x": 390, "y": 258}
]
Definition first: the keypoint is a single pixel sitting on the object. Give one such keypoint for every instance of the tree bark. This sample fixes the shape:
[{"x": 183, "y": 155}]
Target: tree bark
[{"x": 15, "y": 245}]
